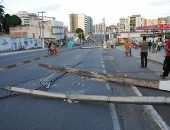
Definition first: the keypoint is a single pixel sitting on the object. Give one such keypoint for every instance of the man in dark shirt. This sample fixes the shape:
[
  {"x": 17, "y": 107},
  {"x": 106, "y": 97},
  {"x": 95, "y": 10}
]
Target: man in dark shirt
[
  {"x": 49, "y": 47},
  {"x": 149, "y": 45}
]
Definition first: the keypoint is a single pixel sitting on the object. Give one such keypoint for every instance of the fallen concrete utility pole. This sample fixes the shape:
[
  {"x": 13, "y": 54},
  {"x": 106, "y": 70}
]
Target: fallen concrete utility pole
[
  {"x": 92, "y": 98},
  {"x": 148, "y": 83}
]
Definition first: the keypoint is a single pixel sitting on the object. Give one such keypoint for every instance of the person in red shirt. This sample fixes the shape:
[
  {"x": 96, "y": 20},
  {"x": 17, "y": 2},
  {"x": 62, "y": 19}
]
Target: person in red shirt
[{"x": 166, "y": 64}]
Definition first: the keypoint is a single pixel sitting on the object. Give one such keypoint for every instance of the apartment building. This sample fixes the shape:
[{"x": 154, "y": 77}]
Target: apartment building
[
  {"x": 81, "y": 21},
  {"x": 124, "y": 25},
  {"x": 98, "y": 28},
  {"x": 111, "y": 31},
  {"x": 29, "y": 30},
  {"x": 24, "y": 16},
  {"x": 121, "y": 25},
  {"x": 130, "y": 23}
]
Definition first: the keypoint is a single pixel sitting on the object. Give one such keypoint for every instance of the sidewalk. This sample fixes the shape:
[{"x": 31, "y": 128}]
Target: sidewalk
[
  {"x": 18, "y": 52},
  {"x": 155, "y": 57}
]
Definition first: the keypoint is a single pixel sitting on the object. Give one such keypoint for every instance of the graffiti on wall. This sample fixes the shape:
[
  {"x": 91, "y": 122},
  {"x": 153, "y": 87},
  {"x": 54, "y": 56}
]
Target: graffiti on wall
[{"x": 7, "y": 43}]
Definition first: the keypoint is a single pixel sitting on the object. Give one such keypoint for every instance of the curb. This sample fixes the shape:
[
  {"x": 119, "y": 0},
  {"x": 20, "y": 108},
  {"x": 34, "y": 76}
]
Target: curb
[
  {"x": 19, "y": 52},
  {"x": 11, "y": 66}
]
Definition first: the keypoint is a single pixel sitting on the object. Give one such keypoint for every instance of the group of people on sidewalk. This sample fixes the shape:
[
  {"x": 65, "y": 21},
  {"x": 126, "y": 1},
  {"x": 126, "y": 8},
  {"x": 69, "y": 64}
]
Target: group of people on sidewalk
[
  {"x": 155, "y": 46},
  {"x": 144, "y": 45}
]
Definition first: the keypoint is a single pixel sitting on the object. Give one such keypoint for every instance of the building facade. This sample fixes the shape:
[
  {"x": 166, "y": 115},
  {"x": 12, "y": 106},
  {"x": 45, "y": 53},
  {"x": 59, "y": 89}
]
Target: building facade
[
  {"x": 98, "y": 28},
  {"x": 124, "y": 25},
  {"x": 112, "y": 31},
  {"x": 81, "y": 21},
  {"x": 25, "y": 17},
  {"x": 130, "y": 23},
  {"x": 35, "y": 27}
]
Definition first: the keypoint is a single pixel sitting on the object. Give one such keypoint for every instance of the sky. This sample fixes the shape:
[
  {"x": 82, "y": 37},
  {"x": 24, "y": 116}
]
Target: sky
[{"x": 111, "y": 10}]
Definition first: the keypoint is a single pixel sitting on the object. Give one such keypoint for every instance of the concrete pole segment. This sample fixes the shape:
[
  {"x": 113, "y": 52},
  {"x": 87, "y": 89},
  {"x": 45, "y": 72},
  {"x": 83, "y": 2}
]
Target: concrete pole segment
[{"x": 142, "y": 82}]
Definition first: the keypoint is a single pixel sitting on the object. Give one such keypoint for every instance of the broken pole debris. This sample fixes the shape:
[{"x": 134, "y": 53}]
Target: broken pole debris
[
  {"x": 148, "y": 83},
  {"x": 93, "y": 98}
]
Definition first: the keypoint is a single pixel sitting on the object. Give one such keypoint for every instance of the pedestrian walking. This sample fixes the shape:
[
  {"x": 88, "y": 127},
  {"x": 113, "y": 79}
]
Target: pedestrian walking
[
  {"x": 166, "y": 64},
  {"x": 159, "y": 45},
  {"x": 153, "y": 47},
  {"x": 149, "y": 45},
  {"x": 127, "y": 46},
  {"x": 144, "y": 53}
]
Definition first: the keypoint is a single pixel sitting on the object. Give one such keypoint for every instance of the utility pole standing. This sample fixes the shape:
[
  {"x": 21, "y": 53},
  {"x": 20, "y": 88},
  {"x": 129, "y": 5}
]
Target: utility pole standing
[
  {"x": 42, "y": 25},
  {"x": 39, "y": 23},
  {"x": 104, "y": 38}
]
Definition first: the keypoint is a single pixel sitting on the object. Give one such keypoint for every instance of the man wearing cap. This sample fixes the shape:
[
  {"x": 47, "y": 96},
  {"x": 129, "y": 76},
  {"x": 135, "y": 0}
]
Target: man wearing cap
[{"x": 166, "y": 65}]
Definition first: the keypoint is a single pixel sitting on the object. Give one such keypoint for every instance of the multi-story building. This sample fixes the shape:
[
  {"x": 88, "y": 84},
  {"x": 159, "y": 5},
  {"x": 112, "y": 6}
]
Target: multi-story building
[
  {"x": 90, "y": 25},
  {"x": 73, "y": 22},
  {"x": 121, "y": 24},
  {"x": 111, "y": 31},
  {"x": 24, "y": 16},
  {"x": 98, "y": 28},
  {"x": 168, "y": 20},
  {"x": 124, "y": 25},
  {"x": 139, "y": 21},
  {"x": 35, "y": 27},
  {"x": 135, "y": 21},
  {"x": 30, "y": 30},
  {"x": 164, "y": 20},
  {"x": 53, "y": 29},
  {"x": 81, "y": 21},
  {"x": 127, "y": 24}
]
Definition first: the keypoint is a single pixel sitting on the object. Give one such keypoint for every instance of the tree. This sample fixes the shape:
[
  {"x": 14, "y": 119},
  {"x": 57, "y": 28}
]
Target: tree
[
  {"x": 15, "y": 20},
  {"x": 1, "y": 18},
  {"x": 80, "y": 33},
  {"x": 7, "y": 21}
]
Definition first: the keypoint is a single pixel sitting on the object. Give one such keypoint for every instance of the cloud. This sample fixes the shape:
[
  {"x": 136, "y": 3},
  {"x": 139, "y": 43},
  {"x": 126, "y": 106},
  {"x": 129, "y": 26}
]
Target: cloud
[
  {"x": 112, "y": 10},
  {"x": 49, "y": 8},
  {"x": 159, "y": 3}
]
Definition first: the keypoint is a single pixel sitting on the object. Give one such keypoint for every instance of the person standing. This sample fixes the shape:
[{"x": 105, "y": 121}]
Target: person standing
[
  {"x": 150, "y": 45},
  {"x": 166, "y": 64},
  {"x": 49, "y": 46},
  {"x": 144, "y": 53},
  {"x": 127, "y": 46}
]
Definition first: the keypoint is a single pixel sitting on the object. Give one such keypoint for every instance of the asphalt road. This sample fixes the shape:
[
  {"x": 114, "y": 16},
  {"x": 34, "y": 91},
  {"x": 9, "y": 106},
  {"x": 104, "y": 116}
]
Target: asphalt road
[
  {"x": 116, "y": 62},
  {"x": 28, "y": 112},
  {"x": 18, "y": 57}
]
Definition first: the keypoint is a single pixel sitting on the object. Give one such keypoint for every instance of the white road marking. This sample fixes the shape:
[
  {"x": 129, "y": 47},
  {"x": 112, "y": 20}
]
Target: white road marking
[
  {"x": 152, "y": 112},
  {"x": 115, "y": 121},
  {"x": 150, "y": 109}
]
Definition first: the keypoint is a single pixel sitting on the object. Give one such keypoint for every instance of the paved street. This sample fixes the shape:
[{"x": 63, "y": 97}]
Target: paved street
[{"x": 28, "y": 112}]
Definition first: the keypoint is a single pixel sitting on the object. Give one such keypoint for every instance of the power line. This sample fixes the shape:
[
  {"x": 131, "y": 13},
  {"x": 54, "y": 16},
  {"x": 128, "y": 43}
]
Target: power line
[{"x": 10, "y": 10}]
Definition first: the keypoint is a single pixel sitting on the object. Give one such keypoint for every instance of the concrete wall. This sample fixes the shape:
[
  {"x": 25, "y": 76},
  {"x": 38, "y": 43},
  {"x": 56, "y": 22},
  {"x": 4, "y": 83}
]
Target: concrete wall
[{"x": 7, "y": 43}]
